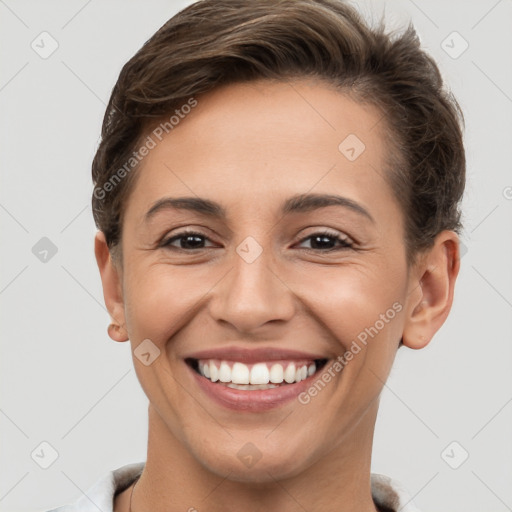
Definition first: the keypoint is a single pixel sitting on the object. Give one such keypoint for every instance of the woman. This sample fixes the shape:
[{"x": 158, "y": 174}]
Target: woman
[{"x": 277, "y": 194}]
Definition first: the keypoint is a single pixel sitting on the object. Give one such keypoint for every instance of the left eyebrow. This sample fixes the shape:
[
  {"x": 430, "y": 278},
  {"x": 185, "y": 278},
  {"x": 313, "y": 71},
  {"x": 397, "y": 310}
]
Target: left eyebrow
[
  {"x": 197, "y": 204},
  {"x": 295, "y": 204}
]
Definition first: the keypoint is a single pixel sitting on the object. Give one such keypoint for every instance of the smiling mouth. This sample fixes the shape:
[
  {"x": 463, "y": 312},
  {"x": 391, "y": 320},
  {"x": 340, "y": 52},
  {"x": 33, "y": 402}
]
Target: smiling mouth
[{"x": 259, "y": 376}]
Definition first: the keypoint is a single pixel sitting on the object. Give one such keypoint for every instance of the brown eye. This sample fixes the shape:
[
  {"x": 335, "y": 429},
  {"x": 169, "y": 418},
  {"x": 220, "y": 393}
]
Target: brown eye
[
  {"x": 188, "y": 241},
  {"x": 326, "y": 241}
]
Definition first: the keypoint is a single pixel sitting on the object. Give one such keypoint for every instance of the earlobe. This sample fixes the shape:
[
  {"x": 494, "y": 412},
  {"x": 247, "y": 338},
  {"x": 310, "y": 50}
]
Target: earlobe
[
  {"x": 431, "y": 290},
  {"x": 112, "y": 289},
  {"x": 117, "y": 332}
]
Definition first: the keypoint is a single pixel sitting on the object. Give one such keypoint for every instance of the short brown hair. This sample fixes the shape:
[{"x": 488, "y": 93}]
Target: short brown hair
[{"x": 217, "y": 42}]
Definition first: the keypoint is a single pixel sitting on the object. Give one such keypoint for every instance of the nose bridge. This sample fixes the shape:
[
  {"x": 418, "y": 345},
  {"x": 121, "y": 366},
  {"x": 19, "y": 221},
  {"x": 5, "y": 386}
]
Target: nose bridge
[{"x": 252, "y": 294}]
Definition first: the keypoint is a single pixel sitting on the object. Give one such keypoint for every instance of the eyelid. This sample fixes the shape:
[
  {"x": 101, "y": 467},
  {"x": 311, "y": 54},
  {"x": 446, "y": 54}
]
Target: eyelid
[
  {"x": 166, "y": 240},
  {"x": 345, "y": 241},
  {"x": 343, "y": 238}
]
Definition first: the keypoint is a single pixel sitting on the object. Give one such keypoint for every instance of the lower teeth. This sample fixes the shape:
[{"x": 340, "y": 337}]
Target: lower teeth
[{"x": 251, "y": 386}]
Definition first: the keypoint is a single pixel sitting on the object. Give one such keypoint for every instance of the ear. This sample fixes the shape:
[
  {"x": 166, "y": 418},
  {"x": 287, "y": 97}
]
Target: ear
[
  {"x": 111, "y": 279},
  {"x": 431, "y": 286}
]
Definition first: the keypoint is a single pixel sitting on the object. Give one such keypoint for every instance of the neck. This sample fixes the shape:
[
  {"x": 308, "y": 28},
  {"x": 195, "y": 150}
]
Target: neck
[{"x": 173, "y": 480}]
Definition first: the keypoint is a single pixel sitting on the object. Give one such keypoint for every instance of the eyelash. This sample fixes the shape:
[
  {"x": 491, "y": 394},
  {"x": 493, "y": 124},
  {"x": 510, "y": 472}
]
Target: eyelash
[{"x": 345, "y": 242}]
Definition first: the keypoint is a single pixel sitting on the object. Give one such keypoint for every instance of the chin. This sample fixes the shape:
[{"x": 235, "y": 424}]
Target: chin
[{"x": 251, "y": 465}]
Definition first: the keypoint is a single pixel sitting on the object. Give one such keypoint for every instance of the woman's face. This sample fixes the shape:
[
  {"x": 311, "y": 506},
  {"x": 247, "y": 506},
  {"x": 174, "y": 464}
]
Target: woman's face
[{"x": 271, "y": 278}]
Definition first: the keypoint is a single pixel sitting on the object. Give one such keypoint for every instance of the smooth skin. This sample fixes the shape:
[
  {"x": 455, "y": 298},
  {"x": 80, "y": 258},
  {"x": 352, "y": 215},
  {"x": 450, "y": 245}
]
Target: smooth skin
[{"x": 249, "y": 147}]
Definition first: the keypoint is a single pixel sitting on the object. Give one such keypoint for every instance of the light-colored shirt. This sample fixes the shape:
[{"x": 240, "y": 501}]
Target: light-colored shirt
[{"x": 386, "y": 492}]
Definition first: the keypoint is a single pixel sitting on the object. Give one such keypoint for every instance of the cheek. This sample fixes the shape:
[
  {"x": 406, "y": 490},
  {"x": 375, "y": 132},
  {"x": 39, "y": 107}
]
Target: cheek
[
  {"x": 159, "y": 299},
  {"x": 351, "y": 298}
]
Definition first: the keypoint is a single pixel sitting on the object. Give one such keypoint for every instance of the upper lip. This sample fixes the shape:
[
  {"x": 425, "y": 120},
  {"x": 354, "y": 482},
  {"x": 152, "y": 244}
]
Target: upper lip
[{"x": 253, "y": 355}]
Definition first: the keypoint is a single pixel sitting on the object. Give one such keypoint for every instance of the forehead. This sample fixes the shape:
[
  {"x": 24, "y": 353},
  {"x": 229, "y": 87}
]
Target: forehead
[{"x": 258, "y": 142}]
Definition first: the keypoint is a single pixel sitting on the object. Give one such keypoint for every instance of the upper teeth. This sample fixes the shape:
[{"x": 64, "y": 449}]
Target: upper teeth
[{"x": 260, "y": 373}]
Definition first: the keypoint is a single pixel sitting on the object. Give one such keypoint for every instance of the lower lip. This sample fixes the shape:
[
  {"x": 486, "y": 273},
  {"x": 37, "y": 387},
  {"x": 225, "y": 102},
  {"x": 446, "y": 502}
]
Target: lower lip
[{"x": 253, "y": 401}]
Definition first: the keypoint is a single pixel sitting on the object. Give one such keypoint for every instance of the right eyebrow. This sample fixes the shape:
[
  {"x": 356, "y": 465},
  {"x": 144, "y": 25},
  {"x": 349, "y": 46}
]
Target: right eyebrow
[{"x": 308, "y": 202}]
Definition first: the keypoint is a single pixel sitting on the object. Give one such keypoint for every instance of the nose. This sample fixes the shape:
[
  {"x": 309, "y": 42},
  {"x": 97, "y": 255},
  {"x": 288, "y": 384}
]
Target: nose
[{"x": 252, "y": 294}]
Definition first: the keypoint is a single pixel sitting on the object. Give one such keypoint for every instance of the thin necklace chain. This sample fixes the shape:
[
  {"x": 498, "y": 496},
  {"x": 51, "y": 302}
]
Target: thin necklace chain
[{"x": 131, "y": 494}]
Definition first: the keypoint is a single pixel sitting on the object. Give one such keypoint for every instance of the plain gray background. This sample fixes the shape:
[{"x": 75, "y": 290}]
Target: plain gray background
[{"x": 64, "y": 382}]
